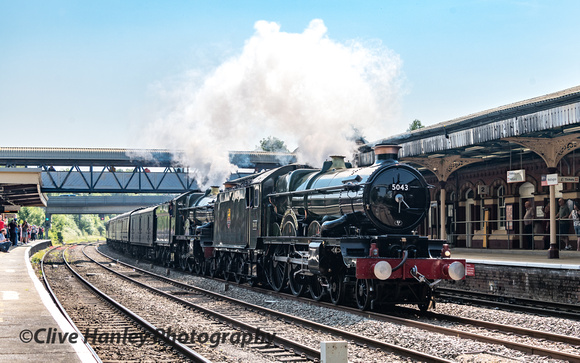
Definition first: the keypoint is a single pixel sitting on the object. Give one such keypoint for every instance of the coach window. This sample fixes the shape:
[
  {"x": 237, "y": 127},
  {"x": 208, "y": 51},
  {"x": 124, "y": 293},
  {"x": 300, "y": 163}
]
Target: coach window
[{"x": 501, "y": 206}]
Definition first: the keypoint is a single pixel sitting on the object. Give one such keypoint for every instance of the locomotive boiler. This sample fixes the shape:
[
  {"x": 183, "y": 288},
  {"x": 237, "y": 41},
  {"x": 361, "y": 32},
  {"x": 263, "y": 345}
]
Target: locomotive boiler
[
  {"x": 386, "y": 198},
  {"x": 342, "y": 232}
]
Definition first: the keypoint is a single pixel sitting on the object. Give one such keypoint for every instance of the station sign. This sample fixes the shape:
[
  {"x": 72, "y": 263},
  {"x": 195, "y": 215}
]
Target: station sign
[
  {"x": 568, "y": 179},
  {"x": 549, "y": 179},
  {"x": 516, "y": 176},
  {"x": 9, "y": 208}
]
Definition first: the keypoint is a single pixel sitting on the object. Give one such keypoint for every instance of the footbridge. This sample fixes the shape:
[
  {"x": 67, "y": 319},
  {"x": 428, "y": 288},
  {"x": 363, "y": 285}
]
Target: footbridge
[
  {"x": 115, "y": 204},
  {"x": 28, "y": 174}
]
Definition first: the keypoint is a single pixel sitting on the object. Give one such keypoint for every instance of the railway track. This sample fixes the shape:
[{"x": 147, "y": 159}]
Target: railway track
[
  {"x": 564, "y": 347},
  {"x": 110, "y": 330},
  {"x": 181, "y": 319},
  {"x": 278, "y": 323},
  {"x": 569, "y": 350},
  {"x": 561, "y": 310}
]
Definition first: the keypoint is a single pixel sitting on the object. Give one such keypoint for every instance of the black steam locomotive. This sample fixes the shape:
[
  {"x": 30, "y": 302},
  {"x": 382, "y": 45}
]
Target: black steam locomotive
[{"x": 339, "y": 231}]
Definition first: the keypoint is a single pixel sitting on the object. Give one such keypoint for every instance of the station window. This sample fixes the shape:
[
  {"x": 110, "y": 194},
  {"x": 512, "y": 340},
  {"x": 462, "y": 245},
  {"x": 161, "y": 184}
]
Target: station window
[{"x": 469, "y": 194}]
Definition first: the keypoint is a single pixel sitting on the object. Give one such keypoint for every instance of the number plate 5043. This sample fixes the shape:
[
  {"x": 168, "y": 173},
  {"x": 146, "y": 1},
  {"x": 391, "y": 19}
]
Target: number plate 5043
[{"x": 403, "y": 187}]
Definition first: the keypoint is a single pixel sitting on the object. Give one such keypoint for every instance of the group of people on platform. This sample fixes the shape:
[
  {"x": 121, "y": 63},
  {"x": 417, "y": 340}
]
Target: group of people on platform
[
  {"x": 15, "y": 232},
  {"x": 564, "y": 216}
]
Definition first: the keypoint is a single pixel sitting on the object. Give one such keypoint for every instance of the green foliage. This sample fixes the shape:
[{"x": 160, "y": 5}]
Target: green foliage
[
  {"x": 65, "y": 227},
  {"x": 33, "y": 215},
  {"x": 273, "y": 144},
  {"x": 415, "y": 125},
  {"x": 37, "y": 257}
]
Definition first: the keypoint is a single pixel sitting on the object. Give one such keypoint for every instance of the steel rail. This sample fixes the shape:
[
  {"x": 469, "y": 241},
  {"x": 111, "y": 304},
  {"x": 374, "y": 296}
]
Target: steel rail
[
  {"x": 280, "y": 342},
  {"x": 502, "y": 327},
  {"x": 451, "y": 332},
  {"x": 290, "y": 318},
  {"x": 182, "y": 348},
  {"x": 560, "y": 310},
  {"x": 425, "y": 326},
  {"x": 61, "y": 308}
]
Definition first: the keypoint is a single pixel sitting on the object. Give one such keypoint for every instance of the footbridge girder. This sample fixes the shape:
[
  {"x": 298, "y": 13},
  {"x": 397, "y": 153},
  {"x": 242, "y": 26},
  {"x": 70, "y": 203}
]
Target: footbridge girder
[
  {"x": 107, "y": 179},
  {"x": 115, "y": 204}
]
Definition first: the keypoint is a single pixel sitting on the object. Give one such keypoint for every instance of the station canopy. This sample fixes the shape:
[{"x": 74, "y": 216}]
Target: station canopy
[{"x": 20, "y": 187}]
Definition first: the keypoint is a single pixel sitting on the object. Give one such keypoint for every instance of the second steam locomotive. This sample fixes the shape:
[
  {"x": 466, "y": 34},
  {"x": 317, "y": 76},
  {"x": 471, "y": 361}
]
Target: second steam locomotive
[{"x": 340, "y": 231}]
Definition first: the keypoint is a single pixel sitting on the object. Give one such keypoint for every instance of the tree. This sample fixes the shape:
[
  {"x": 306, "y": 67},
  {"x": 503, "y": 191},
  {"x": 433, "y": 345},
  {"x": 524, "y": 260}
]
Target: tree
[
  {"x": 64, "y": 228},
  {"x": 415, "y": 125},
  {"x": 273, "y": 144},
  {"x": 33, "y": 215}
]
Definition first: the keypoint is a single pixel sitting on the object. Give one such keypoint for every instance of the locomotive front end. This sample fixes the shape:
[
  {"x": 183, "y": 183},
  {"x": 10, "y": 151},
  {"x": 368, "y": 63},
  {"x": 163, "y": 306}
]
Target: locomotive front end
[{"x": 396, "y": 196}]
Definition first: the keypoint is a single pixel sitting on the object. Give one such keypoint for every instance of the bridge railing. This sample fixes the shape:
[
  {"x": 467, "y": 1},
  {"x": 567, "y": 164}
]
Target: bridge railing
[{"x": 105, "y": 181}]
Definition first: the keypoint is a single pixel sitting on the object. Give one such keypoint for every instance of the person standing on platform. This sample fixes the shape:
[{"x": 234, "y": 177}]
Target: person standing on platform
[
  {"x": 528, "y": 225},
  {"x": 576, "y": 219},
  {"x": 24, "y": 232},
  {"x": 563, "y": 222},
  {"x": 12, "y": 229}
]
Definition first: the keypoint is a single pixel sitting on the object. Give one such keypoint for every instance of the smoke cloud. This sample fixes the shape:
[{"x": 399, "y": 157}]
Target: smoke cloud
[{"x": 313, "y": 93}]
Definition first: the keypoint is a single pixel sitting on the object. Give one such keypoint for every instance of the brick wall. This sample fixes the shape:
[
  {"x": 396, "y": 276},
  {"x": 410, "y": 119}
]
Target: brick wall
[{"x": 558, "y": 285}]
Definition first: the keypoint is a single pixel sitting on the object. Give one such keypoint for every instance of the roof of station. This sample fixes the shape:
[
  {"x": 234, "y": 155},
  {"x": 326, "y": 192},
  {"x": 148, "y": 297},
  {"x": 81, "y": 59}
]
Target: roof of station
[
  {"x": 545, "y": 116},
  {"x": 20, "y": 187}
]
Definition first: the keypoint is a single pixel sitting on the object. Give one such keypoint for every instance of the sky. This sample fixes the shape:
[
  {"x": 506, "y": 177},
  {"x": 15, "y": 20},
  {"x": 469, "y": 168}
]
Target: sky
[{"x": 209, "y": 76}]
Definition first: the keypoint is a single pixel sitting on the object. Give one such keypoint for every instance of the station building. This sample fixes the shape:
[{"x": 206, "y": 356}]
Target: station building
[{"x": 485, "y": 166}]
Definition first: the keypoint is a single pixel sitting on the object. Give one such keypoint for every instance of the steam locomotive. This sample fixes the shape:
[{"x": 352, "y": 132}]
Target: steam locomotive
[{"x": 342, "y": 232}]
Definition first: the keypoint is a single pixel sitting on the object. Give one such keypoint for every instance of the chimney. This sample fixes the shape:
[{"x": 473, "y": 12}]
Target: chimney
[
  {"x": 386, "y": 152},
  {"x": 215, "y": 190}
]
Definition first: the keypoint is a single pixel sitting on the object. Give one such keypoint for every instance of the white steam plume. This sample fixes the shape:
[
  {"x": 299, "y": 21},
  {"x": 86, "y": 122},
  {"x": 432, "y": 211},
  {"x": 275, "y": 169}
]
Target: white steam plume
[{"x": 305, "y": 89}]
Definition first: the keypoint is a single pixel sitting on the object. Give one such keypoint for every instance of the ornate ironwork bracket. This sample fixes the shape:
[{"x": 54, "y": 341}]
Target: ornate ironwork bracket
[
  {"x": 552, "y": 150},
  {"x": 443, "y": 167}
]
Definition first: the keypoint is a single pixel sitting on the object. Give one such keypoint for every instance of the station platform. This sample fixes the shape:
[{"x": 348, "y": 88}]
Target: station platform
[
  {"x": 520, "y": 274},
  {"x": 28, "y": 314},
  {"x": 569, "y": 260}
]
